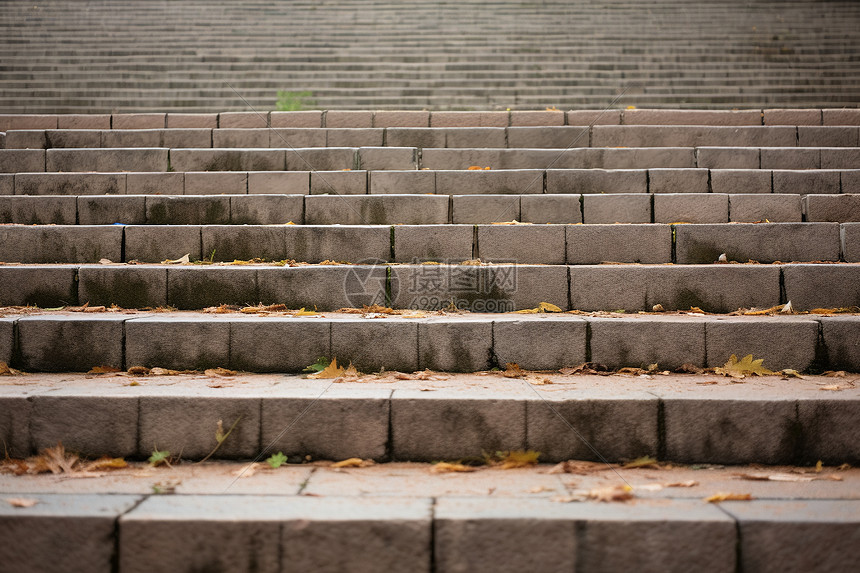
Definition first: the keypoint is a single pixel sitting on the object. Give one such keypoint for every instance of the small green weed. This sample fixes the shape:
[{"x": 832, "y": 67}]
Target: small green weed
[
  {"x": 277, "y": 460},
  {"x": 293, "y": 101}
]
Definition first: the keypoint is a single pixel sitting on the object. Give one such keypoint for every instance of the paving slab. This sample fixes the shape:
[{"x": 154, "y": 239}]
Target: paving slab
[
  {"x": 22, "y": 160},
  {"x": 822, "y": 286},
  {"x": 339, "y": 182},
  {"x": 594, "y": 244},
  {"x": 786, "y": 158},
  {"x": 111, "y": 210},
  {"x": 156, "y": 243},
  {"x": 388, "y": 157},
  {"x": 124, "y": 286},
  {"x": 182, "y": 210},
  {"x": 728, "y": 157},
  {"x": 691, "y": 208},
  {"x": 354, "y": 137},
  {"x": 765, "y": 243},
  {"x": 561, "y": 342},
  {"x": 60, "y": 243},
  {"x": 669, "y": 341},
  {"x": 775, "y": 208},
  {"x": 839, "y": 335},
  {"x": 70, "y": 343},
  {"x": 187, "y": 120},
  {"x": 323, "y": 288},
  {"x": 489, "y": 182},
  {"x": 678, "y": 180},
  {"x": 309, "y": 118},
  {"x": 177, "y": 343},
  {"x": 46, "y": 210},
  {"x": 320, "y": 159},
  {"x": 444, "y": 244},
  {"x": 266, "y": 209}
]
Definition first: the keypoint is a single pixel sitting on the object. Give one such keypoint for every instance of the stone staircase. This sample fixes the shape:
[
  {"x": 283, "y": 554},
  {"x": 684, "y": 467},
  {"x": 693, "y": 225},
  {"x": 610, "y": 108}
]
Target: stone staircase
[
  {"x": 242, "y": 240},
  {"x": 200, "y": 55}
]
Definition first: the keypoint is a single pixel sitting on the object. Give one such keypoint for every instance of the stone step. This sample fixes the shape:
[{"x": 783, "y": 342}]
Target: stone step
[
  {"x": 391, "y": 416},
  {"x": 445, "y": 181},
  {"x": 486, "y": 288},
  {"x": 534, "y": 244},
  {"x": 156, "y": 159},
  {"x": 418, "y": 521},
  {"x": 392, "y": 209},
  {"x": 491, "y": 137}
]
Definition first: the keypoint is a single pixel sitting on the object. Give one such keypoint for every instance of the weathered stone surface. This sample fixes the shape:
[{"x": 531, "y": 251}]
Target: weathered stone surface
[
  {"x": 469, "y": 119},
  {"x": 477, "y": 209},
  {"x": 421, "y": 137},
  {"x": 741, "y": 181},
  {"x": 837, "y": 208},
  {"x": 47, "y": 286},
  {"x": 616, "y": 208},
  {"x": 84, "y": 121},
  {"x": 562, "y": 209},
  {"x": 117, "y": 159},
  {"x": 46, "y": 210},
  {"x": 561, "y": 340},
  {"x": 556, "y": 137},
  {"x": 352, "y": 119},
  {"x": 193, "y": 287},
  {"x": 828, "y": 136},
  {"x": 78, "y": 529},
  {"x": 400, "y": 182},
  {"x": 850, "y": 240},
  {"x": 75, "y": 138},
  {"x": 277, "y": 345},
  {"x": 464, "y": 137},
  {"x": 155, "y": 184},
  {"x": 138, "y": 120},
  {"x": 15, "y": 412},
  {"x": 7, "y": 340},
  {"x": 127, "y": 287},
  {"x": 373, "y": 345},
  {"x": 393, "y": 118},
  {"x": 678, "y": 180},
  {"x": 266, "y": 209},
  {"x": 688, "y": 117},
  {"x": 728, "y": 158},
  {"x": 791, "y": 117},
  {"x": 668, "y": 341},
  {"x": 295, "y": 119},
  {"x": 462, "y": 346},
  {"x": 765, "y": 243},
  {"x": 190, "y": 120},
  {"x": 131, "y": 138},
  {"x": 528, "y": 244},
  {"x": 788, "y": 158},
  {"x": 243, "y": 119},
  {"x": 187, "y": 210},
  {"x": 783, "y": 343},
  {"x": 297, "y": 137},
  {"x": 226, "y": 160},
  {"x": 216, "y": 183},
  {"x": 827, "y": 426},
  {"x": 638, "y": 158},
  {"x": 60, "y": 243},
  {"x": 354, "y": 243},
  {"x": 588, "y": 117},
  {"x": 376, "y": 210},
  {"x": 484, "y": 182},
  {"x": 26, "y": 139},
  {"x": 240, "y": 137},
  {"x": 691, "y": 208},
  {"x": 537, "y": 117},
  {"x": 775, "y": 208},
  {"x": 339, "y": 182},
  {"x": 840, "y": 337},
  {"x": 70, "y": 183},
  {"x": 70, "y": 343},
  {"x": 822, "y": 286},
  {"x": 274, "y": 182},
  {"x": 839, "y": 158},
  {"x": 179, "y": 343},
  {"x": 156, "y": 243},
  {"x": 7, "y": 184},
  {"x": 447, "y": 244},
  {"x": 806, "y": 182},
  {"x": 596, "y": 181},
  {"x": 322, "y": 288},
  {"x": 22, "y": 160},
  {"x": 594, "y": 244},
  {"x": 388, "y": 158}
]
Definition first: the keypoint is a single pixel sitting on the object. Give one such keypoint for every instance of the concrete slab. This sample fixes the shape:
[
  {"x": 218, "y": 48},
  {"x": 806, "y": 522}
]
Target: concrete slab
[
  {"x": 339, "y": 182},
  {"x": 44, "y": 285},
  {"x": 837, "y": 208},
  {"x": 741, "y": 181},
  {"x": 45, "y": 210},
  {"x": 22, "y": 160},
  {"x": 354, "y": 243},
  {"x": 186, "y": 210},
  {"x": 764, "y": 243},
  {"x": 840, "y": 337},
  {"x": 60, "y": 243},
  {"x": 596, "y": 181},
  {"x": 70, "y": 184},
  {"x": 594, "y": 244},
  {"x": 477, "y": 209},
  {"x": 464, "y": 346},
  {"x": 390, "y": 344},
  {"x": 822, "y": 286},
  {"x": 527, "y": 244},
  {"x": 155, "y": 184},
  {"x": 110, "y": 210},
  {"x": 669, "y": 341},
  {"x": 277, "y": 344},
  {"x": 775, "y": 208},
  {"x": 400, "y": 182},
  {"x": 728, "y": 157},
  {"x": 276, "y": 182},
  {"x": 195, "y": 287},
  {"x": 71, "y": 343},
  {"x": 216, "y": 183},
  {"x": 323, "y": 288},
  {"x": 117, "y": 159},
  {"x": 266, "y": 209},
  {"x": 126, "y": 287},
  {"x": 782, "y": 342},
  {"x": 225, "y": 160},
  {"x": 156, "y": 243},
  {"x": 691, "y": 208},
  {"x": 321, "y": 159},
  {"x": 376, "y": 210},
  {"x": 388, "y": 158},
  {"x": 177, "y": 343},
  {"x": 561, "y": 340},
  {"x": 445, "y": 244},
  {"x": 616, "y": 208},
  {"x": 489, "y": 182},
  {"x": 678, "y": 181},
  {"x": 806, "y": 182},
  {"x": 309, "y": 118},
  {"x": 560, "y": 209}
]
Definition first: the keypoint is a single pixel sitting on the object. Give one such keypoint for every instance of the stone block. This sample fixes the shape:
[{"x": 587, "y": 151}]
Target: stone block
[
  {"x": 563, "y": 209},
  {"x": 341, "y": 425},
  {"x": 840, "y": 336},
  {"x": 616, "y": 208},
  {"x": 691, "y": 208},
  {"x": 7, "y": 334},
  {"x": 139, "y": 121},
  {"x": 27, "y": 121},
  {"x": 538, "y": 244},
  {"x": 297, "y": 137},
  {"x": 469, "y": 119},
  {"x": 295, "y": 119},
  {"x": 838, "y": 208},
  {"x": 782, "y": 343},
  {"x": 322, "y": 288},
  {"x": 155, "y": 183},
  {"x": 7, "y": 184},
  {"x": 371, "y": 346},
  {"x": 131, "y": 138},
  {"x": 339, "y": 182},
  {"x": 388, "y": 158},
  {"x": 691, "y": 136},
  {"x": 352, "y": 137},
  {"x": 276, "y": 344},
  {"x": 349, "y": 119},
  {"x": 187, "y": 210},
  {"x": 194, "y": 287},
  {"x": 84, "y": 121},
  {"x": 46, "y": 286},
  {"x": 22, "y": 160},
  {"x": 192, "y": 120},
  {"x": 266, "y": 209},
  {"x": 446, "y": 244},
  {"x": 243, "y": 119},
  {"x": 70, "y": 183},
  {"x": 439, "y": 159},
  {"x": 639, "y": 158},
  {"x": 400, "y": 182},
  {"x": 70, "y": 343},
  {"x": 60, "y": 244},
  {"x": 840, "y": 158},
  {"x": 483, "y": 182},
  {"x": 796, "y": 535},
  {"x": 46, "y": 210},
  {"x": 788, "y": 158},
  {"x": 792, "y": 117},
  {"x": 471, "y": 534},
  {"x": 26, "y": 139},
  {"x": 80, "y": 528},
  {"x": 376, "y": 210},
  {"x": 692, "y": 117},
  {"x": 394, "y": 118},
  {"x": 557, "y": 137},
  {"x": 850, "y": 242},
  {"x": 827, "y": 136},
  {"x": 765, "y": 243},
  {"x": 850, "y": 180},
  {"x": 840, "y": 117},
  {"x": 827, "y": 428},
  {"x": 668, "y": 341},
  {"x": 480, "y": 137},
  {"x": 226, "y": 160},
  {"x": 744, "y": 429},
  {"x": 594, "y": 244},
  {"x": 451, "y": 425},
  {"x": 87, "y": 421},
  {"x": 322, "y": 159},
  {"x": 461, "y": 346},
  {"x": 774, "y": 208},
  {"x": 561, "y": 339},
  {"x": 216, "y": 183},
  {"x": 618, "y": 428},
  {"x": 156, "y": 243},
  {"x": 596, "y": 181},
  {"x": 111, "y": 209},
  {"x": 589, "y": 117},
  {"x": 606, "y": 287},
  {"x": 179, "y": 343},
  {"x": 178, "y": 138},
  {"x": 354, "y": 244},
  {"x": 75, "y": 138},
  {"x": 741, "y": 181},
  {"x": 421, "y": 137},
  {"x": 279, "y": 182},
  {"x": 537, "y": 118},
  {"x": 117, "y": 159},
  {"x": 728, "y": 157},
  {"x": 126, "y": 287},
  {"x": 15, "y": 415},
  {"x": 240, "y": 137},
  {"x": 678, "y": 180}
]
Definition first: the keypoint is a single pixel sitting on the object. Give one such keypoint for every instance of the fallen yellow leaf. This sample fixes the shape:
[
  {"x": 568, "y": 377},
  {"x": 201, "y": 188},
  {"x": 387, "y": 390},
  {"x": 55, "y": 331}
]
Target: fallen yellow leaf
[
  {"x": 519, "y": 459},
  {"x": 352, "y": 463},
  {"x": 744, "y": 367},
  {"x": 448, "y": 467},
  {"x": 21, "y": 501},
  {"x": 103, "y": 370},
  {"x": 611, "y": 493},
  {"x": 718, "y": 497}
]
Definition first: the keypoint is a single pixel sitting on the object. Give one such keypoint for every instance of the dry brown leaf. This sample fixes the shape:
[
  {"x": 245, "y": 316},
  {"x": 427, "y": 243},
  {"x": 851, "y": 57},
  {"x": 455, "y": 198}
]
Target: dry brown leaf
[
  {"x": 352, "y": 463},
  {"x": 578, "y": 467},
  {"x": 513, "y": 370},
  {"x": 103, "y": 370},
  {"x": 643, "y": 462},
  {"x": 763, "y": 312},
  {"x": 611, "y": 493},
  {"x": 718, "y": 497},
  {"x": 757, "y": 476},
  {"x": 540, "y": 489},
  {"x": 538, "y": 380},
  {"x": 184, "y": 259},
  {"x": 689, "y": 369},
  {"x": 53, "y": 460},
  {"x": 21, "y": 501},
  {"x": 330, "y": 371},
  {"x": 448, "y": 467},
  {"x": 219, "y": 372},
  {"x": 6, "y": 371},
  {"x": 519, "y": 459},
  {"x": 585, "y": 368},
  {"x": 835, "y": 373},
  {"x": 106, "y": 463},
  {"x": 138, "y": 370}
]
